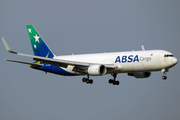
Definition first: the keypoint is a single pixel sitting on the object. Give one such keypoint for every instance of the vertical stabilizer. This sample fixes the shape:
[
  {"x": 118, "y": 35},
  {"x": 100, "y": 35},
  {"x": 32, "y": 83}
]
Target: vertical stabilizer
[{"x": 38, "y": 45}]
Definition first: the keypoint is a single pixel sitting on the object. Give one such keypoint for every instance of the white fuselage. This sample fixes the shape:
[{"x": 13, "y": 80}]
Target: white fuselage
[{"x": 131, "y": 61}]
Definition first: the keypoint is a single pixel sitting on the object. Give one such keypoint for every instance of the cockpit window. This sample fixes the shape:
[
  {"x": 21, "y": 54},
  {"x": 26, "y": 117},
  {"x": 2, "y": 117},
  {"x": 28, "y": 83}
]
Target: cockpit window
[{"x": 168, "y": 55}]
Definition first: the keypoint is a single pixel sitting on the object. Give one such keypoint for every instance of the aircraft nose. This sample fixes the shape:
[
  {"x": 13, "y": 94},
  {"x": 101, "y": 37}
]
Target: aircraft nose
[{"x": 174, "y": 61}]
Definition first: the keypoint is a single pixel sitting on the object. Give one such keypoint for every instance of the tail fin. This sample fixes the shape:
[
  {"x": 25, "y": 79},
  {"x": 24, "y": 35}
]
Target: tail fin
[{"x": 38, "y": 45}]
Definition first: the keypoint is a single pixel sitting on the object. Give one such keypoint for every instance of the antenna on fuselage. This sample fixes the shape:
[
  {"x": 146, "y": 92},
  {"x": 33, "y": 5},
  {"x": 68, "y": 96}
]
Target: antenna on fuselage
[{"x": 142, "y": 47}]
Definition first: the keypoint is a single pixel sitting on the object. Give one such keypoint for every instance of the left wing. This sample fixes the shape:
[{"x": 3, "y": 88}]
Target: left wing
[{"x": 56, "y": 62}]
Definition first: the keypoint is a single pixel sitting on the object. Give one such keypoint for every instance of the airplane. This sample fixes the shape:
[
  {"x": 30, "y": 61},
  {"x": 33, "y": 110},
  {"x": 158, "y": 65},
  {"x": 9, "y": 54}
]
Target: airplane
[{"x": 138, "y": 64}]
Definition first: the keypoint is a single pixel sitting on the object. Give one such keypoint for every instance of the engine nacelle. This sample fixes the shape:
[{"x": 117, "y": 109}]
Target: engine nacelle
[
  {"x": 140, "y": 74},
  {"x": 97, "y": 70}
]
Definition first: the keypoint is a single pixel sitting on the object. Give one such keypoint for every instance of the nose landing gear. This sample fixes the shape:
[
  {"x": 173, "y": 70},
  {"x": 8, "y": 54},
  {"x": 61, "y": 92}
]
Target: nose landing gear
[{"x": 164, "y": 77}]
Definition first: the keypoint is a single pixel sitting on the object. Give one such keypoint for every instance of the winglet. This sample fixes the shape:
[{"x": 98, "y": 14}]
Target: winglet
[{"x": 7, "y": 47}]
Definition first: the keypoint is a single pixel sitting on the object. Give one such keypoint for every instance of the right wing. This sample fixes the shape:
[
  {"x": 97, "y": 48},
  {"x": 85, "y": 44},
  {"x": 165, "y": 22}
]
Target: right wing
[{"x": 26, "y": 63}]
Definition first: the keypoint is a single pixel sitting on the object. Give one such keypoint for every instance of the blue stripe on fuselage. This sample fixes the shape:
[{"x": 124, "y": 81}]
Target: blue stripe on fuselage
[{"x": 54, "y": 69}]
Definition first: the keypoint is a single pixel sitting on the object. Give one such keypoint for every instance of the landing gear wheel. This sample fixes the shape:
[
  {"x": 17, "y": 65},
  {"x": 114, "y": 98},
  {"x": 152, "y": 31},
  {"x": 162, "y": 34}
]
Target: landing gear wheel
[
  {"x": 114, "y": 82},
  {"x": 117, "y": 82},
  {"x": 91, "y": 81},
  {"x": 110, "y": 81},
  {"x": 83, "y": 79},
  {"x": 164, "y": 77},
  {"x": 87, "y": 80}
]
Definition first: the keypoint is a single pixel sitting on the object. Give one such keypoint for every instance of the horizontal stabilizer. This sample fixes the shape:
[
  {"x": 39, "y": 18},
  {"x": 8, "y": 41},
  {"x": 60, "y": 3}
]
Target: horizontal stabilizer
[{"x": 26, "y": 63}]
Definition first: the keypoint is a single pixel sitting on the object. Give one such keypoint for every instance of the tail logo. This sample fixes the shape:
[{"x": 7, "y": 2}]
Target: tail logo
[
  {"x": 29, "y": 30},
  {"x": 47, "y": 55},
  {"x": 35, "y": 46},
  {"x": 36, "y": 38}
]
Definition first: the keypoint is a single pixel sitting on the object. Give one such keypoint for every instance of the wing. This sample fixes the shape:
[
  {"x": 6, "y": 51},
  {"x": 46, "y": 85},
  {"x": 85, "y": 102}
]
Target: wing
[
  {"x": 35, "y": 64},
  {"x": 56, "y": 62}
]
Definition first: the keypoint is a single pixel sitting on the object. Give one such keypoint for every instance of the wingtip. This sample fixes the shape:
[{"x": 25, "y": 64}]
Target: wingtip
[{"x": 7, "y": 46}]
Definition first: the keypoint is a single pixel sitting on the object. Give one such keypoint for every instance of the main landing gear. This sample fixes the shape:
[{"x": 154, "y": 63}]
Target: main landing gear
[
  {"x": 87, "y": 80},
  {"x": 164, "y": 77},
  {"x": 111, "y": 81},
  {"x": 114, "y": 81}
]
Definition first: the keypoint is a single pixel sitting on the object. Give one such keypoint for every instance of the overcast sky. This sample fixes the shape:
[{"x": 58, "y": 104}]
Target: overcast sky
[{"x": 93, "y": 26}]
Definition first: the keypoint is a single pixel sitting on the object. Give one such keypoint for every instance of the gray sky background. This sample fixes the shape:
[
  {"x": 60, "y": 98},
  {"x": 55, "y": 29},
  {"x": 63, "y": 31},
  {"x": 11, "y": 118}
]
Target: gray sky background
[{"x": 80, "y": 26}]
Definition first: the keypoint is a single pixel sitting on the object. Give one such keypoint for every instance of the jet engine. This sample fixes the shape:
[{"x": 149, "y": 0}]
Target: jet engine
[
  {"x": 96, "y": 70},
  {"x": 140, "y": 74}
]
